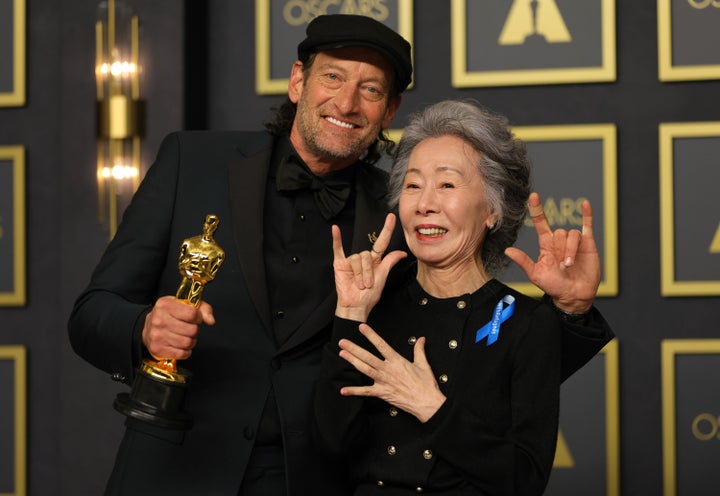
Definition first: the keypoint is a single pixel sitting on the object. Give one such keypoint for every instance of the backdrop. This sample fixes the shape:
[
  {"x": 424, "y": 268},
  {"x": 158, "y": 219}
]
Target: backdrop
[{"x": 200, "y": 70}]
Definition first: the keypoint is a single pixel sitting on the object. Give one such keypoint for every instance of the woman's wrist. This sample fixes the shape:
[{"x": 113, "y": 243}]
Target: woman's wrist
[
  {"x": 572, "y": 317},
  {"x": 351, "y": 313}
]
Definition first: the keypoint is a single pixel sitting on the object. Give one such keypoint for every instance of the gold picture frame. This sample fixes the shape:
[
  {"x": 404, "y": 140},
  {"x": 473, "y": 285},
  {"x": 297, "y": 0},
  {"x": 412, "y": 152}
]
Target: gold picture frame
[
  {"x": 564, "y": 460},
  {"x": 18, "y": 404},
  {"x": 14, "y": 156},
  {"x": 265, "y": 82},
  {"x": 670, "y": 285},
  {"x": 668, "y": 70},
  {"x": 612, "y": 426},
  {"x": 521, "y": 76},
  {"x": 15, "y": 96},
  {"x": 670, "y": 349}
]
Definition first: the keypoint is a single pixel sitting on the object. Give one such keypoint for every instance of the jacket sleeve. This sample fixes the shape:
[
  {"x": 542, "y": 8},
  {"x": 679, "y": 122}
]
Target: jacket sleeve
[
  {"x": 583, "y": 340},
  {"x": 514, "y": 456},
  {"x": 106, "y": 320}
]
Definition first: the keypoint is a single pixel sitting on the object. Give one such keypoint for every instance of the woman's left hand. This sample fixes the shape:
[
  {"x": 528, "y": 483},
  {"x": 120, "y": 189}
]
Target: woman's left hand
[
  {"x": 410, "y": 386},
  {"x": 568, "y": 268}
]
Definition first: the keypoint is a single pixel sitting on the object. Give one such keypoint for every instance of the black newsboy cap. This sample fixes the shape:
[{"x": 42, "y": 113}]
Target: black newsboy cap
[{"x": 326, "y": 32}]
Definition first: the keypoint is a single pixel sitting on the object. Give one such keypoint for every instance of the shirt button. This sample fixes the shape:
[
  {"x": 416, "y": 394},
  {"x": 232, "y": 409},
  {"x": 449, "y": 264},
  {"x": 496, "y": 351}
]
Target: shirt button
[
  {"x": 427, "y": 454},
  {"x": 301, "y": 217},
  {"x": 452, "y": 344},
  {"x": 443, "y": 378},
  {"x": 461, "y": 304},
  {"x": 412, "y": 340},
  {"x": 419, "y": 489},
  {"x": 393, "y": 411},
  {"x": 423, "y": 302},
  {"x": 391, "y": 450},
  {"x": 295, "y": 260},
  {"x": 280, "y": 314},
  {"x": 380, "y": 483}
]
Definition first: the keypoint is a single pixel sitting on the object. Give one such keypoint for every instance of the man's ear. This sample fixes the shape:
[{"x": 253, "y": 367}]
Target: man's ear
[{"x": 296, "y": 83}]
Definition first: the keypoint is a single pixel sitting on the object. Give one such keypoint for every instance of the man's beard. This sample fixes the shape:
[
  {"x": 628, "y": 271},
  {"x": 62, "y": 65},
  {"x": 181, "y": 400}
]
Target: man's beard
[{"x": 311, "y": 137}]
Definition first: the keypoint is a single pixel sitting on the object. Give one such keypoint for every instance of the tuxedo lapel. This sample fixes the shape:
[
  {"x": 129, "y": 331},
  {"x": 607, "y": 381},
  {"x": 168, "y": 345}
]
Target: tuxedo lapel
[{"x": 247, "y": 179}]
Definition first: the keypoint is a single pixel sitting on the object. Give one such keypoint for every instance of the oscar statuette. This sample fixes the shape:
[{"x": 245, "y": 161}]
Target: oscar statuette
[{"x": 158, "y": 391}]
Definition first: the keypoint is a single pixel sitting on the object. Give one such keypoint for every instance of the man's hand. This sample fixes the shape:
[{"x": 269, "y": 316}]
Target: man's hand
[{"x": 172, "y": 326}]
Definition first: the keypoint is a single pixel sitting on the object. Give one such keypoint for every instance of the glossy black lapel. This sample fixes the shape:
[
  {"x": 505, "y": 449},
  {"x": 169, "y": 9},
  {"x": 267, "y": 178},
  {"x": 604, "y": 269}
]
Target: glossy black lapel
[{"x": 247, "y": 180}]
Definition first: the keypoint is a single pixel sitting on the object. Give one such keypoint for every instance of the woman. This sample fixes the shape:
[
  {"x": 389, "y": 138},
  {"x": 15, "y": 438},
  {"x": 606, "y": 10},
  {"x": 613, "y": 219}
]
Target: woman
[{"x": 460, "y": 395}]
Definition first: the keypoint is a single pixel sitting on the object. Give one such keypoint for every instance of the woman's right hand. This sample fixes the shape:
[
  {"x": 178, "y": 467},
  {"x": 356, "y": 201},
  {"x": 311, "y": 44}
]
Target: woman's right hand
[{"x": 360, "y": 278}]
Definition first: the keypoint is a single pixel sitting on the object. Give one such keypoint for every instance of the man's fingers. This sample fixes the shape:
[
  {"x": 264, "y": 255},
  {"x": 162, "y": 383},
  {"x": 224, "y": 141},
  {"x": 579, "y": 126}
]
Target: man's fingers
[{"x": 206, "y": 310}]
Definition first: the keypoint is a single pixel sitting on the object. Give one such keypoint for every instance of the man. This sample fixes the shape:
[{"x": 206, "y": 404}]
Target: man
[{"x": 272, "y": 302}]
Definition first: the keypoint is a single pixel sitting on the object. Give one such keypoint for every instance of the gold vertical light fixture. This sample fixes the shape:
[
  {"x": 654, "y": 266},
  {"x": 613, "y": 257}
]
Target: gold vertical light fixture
[{"x": 120, "y": 112}]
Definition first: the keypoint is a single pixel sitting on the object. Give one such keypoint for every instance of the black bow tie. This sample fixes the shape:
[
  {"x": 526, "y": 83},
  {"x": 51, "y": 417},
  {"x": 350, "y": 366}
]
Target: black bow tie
[{"x": 330, "y": 193}]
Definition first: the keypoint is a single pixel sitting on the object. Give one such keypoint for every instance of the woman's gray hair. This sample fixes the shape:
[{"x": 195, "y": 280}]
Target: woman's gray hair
[{"x": 503, "y": 165}]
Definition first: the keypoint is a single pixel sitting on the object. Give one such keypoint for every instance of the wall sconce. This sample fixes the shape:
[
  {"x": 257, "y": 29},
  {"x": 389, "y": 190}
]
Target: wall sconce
[{"x": 120, "y": 112}]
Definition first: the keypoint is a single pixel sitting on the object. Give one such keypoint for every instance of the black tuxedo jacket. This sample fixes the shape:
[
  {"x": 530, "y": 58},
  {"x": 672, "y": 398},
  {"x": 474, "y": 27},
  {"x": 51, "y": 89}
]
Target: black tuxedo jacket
[{"x": 236, "y": 361}]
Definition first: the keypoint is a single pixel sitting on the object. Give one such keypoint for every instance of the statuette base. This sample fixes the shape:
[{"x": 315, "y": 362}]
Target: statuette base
[{"x": 156, "y": 400}]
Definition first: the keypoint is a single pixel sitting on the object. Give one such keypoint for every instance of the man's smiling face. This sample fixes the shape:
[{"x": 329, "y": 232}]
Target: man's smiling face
[{"x": 342, "y": 105}]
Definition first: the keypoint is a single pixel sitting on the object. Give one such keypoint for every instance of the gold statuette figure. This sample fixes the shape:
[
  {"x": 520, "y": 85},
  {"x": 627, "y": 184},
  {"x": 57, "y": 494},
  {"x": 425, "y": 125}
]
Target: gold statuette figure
[
  {"x": 158, "y": 391},
  {"x": 200, "y": 259}
]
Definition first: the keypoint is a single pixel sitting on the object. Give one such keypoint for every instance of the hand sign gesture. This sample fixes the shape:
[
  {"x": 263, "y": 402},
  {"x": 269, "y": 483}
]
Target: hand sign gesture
[
  {"x": 410, "y": 386},
  {"x": 360, "y": 278},
  {"x": 568, "y": 266}
]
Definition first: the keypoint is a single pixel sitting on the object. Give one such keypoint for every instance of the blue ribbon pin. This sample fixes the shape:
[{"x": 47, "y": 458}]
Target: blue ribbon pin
[{"x": 500, "y": 315}]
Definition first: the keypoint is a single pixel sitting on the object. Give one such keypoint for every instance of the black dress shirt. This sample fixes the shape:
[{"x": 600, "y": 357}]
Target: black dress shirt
[{"x": 298, "y": 260}]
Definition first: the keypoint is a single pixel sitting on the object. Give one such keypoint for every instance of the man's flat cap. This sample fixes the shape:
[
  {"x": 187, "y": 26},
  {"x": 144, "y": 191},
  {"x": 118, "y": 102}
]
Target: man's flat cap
[{"x": 327, "y": 32}]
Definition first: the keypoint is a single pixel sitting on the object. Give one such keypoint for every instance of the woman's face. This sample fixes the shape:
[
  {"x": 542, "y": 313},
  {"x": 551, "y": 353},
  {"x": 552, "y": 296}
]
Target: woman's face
[{"x": 442, "y": 205}]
